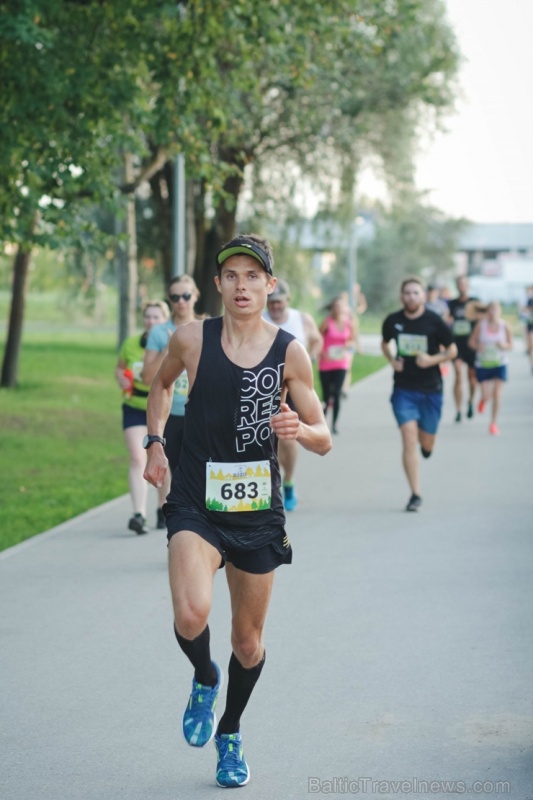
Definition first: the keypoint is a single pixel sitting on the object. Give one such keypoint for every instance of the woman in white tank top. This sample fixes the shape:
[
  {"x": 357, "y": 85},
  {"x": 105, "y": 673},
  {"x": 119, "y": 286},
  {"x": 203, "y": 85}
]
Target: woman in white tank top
[{"x": 491, "y": 339}]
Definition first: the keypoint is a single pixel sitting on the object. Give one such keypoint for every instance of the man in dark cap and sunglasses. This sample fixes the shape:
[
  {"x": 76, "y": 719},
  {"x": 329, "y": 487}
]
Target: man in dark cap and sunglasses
[{"x": 225, "y": 506}]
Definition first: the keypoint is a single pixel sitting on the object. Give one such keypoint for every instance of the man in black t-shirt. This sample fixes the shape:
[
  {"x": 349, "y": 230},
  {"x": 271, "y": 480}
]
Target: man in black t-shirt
[
  {"x": 462, "y": 310},
  {"x": 416, "y": 400}
]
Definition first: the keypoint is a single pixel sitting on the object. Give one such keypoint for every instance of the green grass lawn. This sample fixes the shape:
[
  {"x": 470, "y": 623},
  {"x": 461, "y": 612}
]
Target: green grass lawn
[
  {"x": 62, "y": 450},
  {"x": 362, "y": 366}
]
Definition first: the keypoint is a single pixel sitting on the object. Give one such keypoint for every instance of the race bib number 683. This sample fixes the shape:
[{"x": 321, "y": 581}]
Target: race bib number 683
[{"x": 238, "y": 487}]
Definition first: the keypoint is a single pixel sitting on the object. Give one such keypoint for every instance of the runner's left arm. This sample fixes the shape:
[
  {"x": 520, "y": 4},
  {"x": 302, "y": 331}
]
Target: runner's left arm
[
  {"x": 307, "y": 424},
  {"x": 445, "y": 340},
  {"x": 424, "y": 360},
  {"x": 508, "y": 345}
]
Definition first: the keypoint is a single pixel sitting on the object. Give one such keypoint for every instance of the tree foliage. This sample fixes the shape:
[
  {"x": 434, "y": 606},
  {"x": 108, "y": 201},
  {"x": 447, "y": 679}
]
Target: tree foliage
[
  {"x": 85, "y": 82},
  {"x": 310, "y": 89},
  {"x": 228, "y": 83},
  {"x": 412, "y": 238},
  {"x": 307, "y": 87}
]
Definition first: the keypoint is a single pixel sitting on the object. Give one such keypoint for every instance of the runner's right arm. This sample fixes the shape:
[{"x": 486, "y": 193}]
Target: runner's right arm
[
  {"x": 395, "y": 362},
  {"x": 158, "y": 409}
]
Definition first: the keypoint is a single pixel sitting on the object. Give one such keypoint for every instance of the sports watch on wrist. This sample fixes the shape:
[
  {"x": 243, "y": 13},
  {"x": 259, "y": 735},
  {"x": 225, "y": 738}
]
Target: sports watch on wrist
[{"x": 149, "y": 440}]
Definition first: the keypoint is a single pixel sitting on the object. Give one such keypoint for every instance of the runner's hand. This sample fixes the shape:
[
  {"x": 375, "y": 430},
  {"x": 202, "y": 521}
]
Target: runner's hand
[
  {"x": 156, "y": 466},
  {"x": 286, "y": 424},
  {"x": 424, "y": 360},
  {"x": 397, "y": 364}
]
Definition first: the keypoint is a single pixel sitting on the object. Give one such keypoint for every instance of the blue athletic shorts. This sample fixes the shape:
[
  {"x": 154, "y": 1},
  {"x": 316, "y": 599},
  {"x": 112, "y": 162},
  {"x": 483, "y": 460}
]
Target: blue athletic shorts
[
  {"x": 422, "y": 407},
  {"x": 491, "y": 373}
]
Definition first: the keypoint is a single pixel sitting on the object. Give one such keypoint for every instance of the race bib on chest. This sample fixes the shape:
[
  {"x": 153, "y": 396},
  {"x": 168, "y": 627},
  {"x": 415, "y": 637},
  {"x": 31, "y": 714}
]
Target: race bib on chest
[
  {"x": 491, "y": 357},
  {"x": 181, "y": 384},
  {"x": 461, "y": 327},
  {"x": 411, "y": 344},
  {"x": 137, "y": 368},
  {"x": 245, "y": 486},
  {"x": 336, "y": 353}
]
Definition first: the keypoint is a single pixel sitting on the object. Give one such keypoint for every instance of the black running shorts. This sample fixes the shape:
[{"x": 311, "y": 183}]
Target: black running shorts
[
  {"x": 465, "y": 353},
  {"x": 258, "y": 561}
]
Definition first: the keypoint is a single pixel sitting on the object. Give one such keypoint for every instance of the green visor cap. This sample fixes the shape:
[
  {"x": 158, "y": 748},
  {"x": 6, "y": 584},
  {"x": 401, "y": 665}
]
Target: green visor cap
[{"x": 243, "y": 247}]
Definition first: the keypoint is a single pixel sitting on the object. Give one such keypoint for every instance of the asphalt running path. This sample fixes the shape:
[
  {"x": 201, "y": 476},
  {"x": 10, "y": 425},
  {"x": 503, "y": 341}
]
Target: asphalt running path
[{"x": 399, "y": 648}]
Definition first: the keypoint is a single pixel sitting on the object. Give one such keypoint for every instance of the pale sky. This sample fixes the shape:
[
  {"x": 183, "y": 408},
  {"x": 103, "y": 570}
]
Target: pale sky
[{"x": 482, "y": 168}]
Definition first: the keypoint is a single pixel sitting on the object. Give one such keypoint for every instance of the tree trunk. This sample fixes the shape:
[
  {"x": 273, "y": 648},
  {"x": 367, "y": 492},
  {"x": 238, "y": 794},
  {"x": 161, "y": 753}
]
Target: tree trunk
[
  {"x": 161, "y": 185},
  {"x": 190, "y": 257},
  {"x": 128, "y": 264},
  {"x": 204, "y": 238},
  {"x": 210, "y": 239},
  {"x": 16, "y": 318}
]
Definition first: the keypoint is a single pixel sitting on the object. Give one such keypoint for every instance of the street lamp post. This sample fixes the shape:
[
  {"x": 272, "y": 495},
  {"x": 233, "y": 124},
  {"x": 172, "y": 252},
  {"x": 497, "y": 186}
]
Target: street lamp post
[
  {"x": 352, "y": 259},
  {"x": 178, "y": 217}
]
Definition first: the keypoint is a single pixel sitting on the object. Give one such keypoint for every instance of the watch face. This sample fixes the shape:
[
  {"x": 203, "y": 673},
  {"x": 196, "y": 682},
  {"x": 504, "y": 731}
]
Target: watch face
[{"x": 145, "y": 442}]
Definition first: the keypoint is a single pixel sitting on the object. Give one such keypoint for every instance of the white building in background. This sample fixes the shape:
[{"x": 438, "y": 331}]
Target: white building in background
[
  {"x": 498, "y": 258},
  {"x": 509, "y": 287}
]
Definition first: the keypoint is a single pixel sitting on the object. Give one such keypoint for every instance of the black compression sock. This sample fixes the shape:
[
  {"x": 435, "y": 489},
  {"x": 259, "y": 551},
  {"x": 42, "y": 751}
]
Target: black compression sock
[
  {"x": 425, "y": 453},
  {"x": 199, "y": 654},
  {"x": 241, "y": 683}
]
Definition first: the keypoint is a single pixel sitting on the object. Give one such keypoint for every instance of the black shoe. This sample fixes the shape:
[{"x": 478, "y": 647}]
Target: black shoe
[
  {"x": 138, "y": 524},
  {"x": 425, "y": 453},
  {"x": 415, "y": 501},
  {"x": 160, "y": 524},
  {"x": 458, "y": 417},
  {"x": 470, "y": 412}
]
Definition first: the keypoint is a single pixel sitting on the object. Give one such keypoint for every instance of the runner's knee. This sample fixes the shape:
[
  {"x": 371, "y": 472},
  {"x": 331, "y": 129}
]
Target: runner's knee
[
  {"x": 247, "y": 646},
  {"x": 191, "y": 617}
]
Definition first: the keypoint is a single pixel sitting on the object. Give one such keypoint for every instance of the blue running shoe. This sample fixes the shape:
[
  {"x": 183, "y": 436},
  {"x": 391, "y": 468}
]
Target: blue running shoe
[
  {"x": 290, "y": 500},
  {"x": 232, "y": 769},
  {"x": 199, "y": 720}
]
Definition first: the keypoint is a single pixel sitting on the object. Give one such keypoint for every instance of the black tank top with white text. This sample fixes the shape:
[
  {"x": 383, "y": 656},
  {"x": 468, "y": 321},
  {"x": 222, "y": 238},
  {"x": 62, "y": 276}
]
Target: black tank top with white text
[{"x": 227, "y": 419}]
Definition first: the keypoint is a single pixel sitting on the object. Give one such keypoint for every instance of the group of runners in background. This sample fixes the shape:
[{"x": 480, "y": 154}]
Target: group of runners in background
[
  {"x": 480, "y": 336},
  {"x": 427, "y": 334}
]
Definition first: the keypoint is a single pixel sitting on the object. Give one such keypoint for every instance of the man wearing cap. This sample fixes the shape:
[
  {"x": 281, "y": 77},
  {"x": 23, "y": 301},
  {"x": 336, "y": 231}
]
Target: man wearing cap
[
  {"x": 305, "y": 330},
  {"x": 435, "y": 303},
  {"x": 225, "y": 505}
]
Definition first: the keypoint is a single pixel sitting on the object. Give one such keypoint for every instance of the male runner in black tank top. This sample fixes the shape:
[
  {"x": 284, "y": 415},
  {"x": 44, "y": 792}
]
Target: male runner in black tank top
[{"x": 225, "y": 506}]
